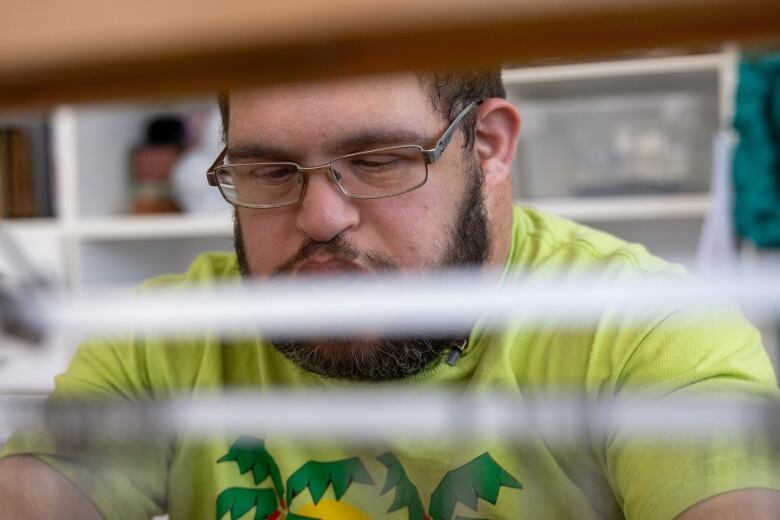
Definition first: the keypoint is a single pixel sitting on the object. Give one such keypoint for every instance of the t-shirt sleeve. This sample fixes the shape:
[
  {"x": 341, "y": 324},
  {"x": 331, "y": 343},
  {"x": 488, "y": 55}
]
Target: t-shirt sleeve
[
  {"x": 125, "y": 481},
  {"x": 692, "y": 353}
]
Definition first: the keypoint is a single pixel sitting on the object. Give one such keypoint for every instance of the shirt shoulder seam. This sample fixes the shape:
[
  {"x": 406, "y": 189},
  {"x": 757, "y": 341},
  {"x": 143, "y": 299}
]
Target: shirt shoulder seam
[{"x": 588, "y": 248}]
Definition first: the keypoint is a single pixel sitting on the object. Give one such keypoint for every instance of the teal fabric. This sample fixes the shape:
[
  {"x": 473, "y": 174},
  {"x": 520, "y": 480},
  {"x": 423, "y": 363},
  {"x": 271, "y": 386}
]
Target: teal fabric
[{"x": 757, "y": 157}]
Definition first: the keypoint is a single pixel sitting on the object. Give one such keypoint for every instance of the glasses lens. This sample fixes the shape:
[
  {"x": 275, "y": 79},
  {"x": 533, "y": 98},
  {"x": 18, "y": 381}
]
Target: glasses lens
[
  {"x": 268, "y": 184},
  {"x": 381, "y": 173}
]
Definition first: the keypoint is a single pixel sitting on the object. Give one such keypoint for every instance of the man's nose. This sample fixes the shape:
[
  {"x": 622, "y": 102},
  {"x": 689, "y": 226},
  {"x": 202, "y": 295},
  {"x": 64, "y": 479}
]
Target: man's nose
[{"x": 324, "y": 211}]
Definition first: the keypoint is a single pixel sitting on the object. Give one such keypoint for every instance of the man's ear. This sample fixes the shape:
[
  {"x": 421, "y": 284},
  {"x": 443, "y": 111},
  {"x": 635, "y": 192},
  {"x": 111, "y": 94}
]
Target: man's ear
[{"x": 498, "y": 126}]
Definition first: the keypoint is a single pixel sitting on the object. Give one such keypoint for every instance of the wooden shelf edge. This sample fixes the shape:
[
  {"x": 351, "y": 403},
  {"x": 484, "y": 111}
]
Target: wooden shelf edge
[{"x": 261, "y": 42}]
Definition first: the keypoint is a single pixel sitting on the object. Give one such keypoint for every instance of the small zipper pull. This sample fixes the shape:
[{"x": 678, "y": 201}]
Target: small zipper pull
[{"x": 455, "y": 351}]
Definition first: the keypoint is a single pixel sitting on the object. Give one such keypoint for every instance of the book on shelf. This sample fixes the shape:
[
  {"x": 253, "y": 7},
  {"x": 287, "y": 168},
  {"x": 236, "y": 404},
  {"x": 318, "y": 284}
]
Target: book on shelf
[{"x": 25, "y": 190}]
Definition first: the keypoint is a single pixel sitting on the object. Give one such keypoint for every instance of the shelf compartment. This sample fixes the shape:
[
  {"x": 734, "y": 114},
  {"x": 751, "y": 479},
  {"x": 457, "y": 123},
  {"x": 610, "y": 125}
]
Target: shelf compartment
[
  {"x": 41, "y": 241},
  {"x": 128, "y": 262}
]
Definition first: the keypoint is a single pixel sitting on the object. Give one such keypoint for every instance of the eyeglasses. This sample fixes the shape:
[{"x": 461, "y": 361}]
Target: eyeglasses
[{"x": 373, "y": 174}]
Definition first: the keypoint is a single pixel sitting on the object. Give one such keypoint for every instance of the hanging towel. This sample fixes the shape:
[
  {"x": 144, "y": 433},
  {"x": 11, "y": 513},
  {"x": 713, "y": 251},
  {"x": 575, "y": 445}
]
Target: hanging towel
[
  {"x": 717, "y": 251},
  {"x": 757, "y": 157}
]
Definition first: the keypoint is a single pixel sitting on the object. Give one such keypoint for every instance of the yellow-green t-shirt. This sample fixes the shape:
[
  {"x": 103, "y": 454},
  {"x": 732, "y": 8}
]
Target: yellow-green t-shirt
[{"x": 674, "y": 352}]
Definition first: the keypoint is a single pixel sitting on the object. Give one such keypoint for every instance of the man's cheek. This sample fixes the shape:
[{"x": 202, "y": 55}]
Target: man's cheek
[
  {"x": 413, "y": 243},
  {"x": 265, "y": 253}
]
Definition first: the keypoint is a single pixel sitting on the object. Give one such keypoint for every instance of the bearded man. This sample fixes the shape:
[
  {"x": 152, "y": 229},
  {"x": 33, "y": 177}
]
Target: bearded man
[{"x": 408, "y": 173}]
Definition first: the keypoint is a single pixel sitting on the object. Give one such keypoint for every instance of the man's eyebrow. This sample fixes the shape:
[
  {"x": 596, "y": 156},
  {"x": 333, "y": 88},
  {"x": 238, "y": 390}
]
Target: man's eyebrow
[
  {"x": 258, "y": 151},
  {"x": 360, "y": 141},
  {"x": 371, "y": 139}
]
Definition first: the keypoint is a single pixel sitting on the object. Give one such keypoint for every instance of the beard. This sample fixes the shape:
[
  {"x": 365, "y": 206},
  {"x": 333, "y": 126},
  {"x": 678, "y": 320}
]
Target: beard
[{"x": 389, "y": 357}]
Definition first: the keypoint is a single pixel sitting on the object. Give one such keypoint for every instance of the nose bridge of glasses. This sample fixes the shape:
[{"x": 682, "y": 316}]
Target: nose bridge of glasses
[{"x": 333, "y": 174}]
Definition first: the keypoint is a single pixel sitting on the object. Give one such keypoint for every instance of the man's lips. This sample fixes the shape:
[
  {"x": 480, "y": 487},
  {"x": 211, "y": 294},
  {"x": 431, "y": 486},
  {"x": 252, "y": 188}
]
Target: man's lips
[{"x": 327, "y": 266}]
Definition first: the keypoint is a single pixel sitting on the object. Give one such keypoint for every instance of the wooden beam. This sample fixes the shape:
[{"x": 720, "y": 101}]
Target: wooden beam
[{"x": 80, "y": 50}]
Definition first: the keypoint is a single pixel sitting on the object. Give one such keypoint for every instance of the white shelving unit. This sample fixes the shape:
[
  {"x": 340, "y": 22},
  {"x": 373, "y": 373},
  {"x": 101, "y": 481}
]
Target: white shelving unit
[
  {"x": 644, "y": 218},
  {"x": 94, "y": 240}
]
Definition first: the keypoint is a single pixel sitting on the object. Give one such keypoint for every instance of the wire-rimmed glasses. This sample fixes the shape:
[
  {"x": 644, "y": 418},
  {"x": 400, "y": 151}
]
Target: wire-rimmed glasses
[{"x": 372, "y": 174}]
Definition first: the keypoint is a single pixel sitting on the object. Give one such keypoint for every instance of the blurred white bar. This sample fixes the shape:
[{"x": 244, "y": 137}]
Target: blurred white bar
[
  {"x": 364, "y": 416},
  {"x": 372, "y": 415},
  {"x": 313, "y": 307}
]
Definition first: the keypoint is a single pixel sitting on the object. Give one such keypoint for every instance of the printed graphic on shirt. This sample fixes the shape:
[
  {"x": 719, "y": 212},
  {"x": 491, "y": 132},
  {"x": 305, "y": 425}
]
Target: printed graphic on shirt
[{"x": 481, "y": 478}]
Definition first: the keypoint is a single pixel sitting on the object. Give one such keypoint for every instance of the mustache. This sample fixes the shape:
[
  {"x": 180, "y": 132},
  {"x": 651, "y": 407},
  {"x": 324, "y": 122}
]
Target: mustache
[{"x": 339, "y": 248}]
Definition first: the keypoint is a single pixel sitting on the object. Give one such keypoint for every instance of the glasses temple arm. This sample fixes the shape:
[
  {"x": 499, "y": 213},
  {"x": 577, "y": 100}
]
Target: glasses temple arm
[
  {"x": 211, "y": 176},
  {"x": 434, "y": 153}
]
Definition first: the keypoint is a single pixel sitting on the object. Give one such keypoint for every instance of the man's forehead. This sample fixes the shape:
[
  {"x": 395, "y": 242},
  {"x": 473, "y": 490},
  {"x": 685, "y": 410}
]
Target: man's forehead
[
  {"x": 382, "y": 85},
  {"x": 388, "y": 96},
  {"x": 310, "y": 122}
]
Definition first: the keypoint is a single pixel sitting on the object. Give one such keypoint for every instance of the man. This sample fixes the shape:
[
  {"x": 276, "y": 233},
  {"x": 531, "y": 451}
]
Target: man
[{"x": 408, "y": 173}]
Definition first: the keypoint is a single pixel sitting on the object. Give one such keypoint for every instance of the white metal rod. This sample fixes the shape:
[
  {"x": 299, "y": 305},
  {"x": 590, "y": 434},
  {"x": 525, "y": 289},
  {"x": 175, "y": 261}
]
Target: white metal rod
[
  {"x": 401, "y": 304},
  {"x": 364, "y": 416}
]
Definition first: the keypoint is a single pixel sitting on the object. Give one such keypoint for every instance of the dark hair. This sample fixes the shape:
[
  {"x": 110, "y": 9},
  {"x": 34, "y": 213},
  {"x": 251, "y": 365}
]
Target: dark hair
[
  {"x": 451, "y": 92},
  {"x": 448, "y": 93},
  {"x": 224, "y": 111}
]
